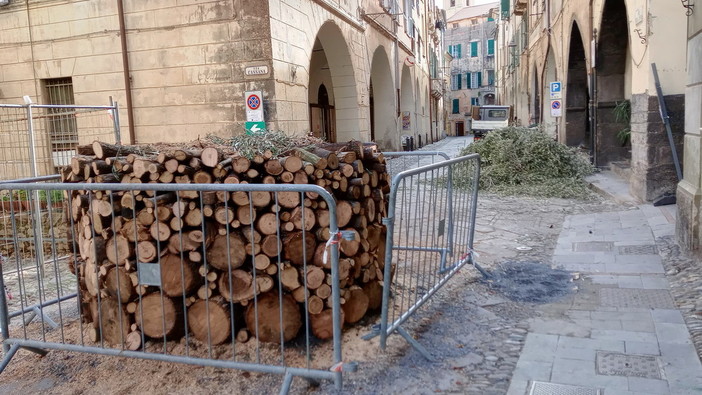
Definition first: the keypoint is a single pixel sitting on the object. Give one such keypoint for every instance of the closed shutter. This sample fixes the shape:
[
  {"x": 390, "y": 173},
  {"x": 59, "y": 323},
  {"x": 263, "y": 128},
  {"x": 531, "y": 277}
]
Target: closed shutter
[
  {"x": 458, "y": 51},
  {"x": 491, "y": 47},
  {"x": 455, "y": 106},
  {"x": 474, "y": 49},
  {"x": 480, "y": 79}
]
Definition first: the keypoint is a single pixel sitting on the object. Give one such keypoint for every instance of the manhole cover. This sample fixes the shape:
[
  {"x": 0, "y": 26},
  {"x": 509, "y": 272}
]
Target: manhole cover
[
  {"x": 593, "y": 246},
  {"x": 645, "y": 298},
  {"x": 616, "y": 364},
  {"x": 638, "y": 250},
  {"x": 543, "y": 388}
]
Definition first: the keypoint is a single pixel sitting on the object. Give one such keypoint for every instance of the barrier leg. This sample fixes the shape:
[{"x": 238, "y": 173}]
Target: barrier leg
[
  {"x": 420, "y": 348},
  {"x": 8, "y": 356},
  {"x": 287, "y": 382}
]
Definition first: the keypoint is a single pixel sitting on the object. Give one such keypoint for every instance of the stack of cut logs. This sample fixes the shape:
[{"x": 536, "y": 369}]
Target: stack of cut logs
[{"x": 215, "y": 257}]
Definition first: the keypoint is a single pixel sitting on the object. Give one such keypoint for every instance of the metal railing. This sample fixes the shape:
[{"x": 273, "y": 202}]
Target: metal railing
[
  {"x": 127, "y": 295},
  {"x": 36, "y": 139},
  {"x": 430, "y": 228}
]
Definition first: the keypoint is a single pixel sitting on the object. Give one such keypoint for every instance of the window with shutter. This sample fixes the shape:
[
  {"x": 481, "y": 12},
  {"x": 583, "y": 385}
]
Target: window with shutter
[
  {"x": 491, "y": 47},
  {"x": 455, "y": 106},
  {"x": 474, "y": 49},
  {"x": 480, "y": 79},
  {"x": 458, "y": 81},
  {"x": 468, "y": 85},
  {"x": 458, "y": 51},
  {"x": 474, "y": 80},
  {"x": 474, "y": 101},
  {"x": 491, "y": 77}
]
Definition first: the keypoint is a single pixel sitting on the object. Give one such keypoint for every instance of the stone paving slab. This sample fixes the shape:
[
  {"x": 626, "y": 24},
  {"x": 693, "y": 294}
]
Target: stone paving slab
[{"x": 616, "y": 256}]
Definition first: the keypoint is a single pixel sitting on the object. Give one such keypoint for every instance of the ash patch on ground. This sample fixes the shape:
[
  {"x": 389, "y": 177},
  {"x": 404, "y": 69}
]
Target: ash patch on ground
[{"x": 530, "y": 282}]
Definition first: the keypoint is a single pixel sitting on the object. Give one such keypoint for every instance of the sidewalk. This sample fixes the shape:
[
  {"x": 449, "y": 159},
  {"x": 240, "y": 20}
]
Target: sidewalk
[{"x": 621, "y": 332}]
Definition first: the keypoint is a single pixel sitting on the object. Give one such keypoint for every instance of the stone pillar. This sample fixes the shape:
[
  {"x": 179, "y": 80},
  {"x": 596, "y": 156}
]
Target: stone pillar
[
  {"x": 652, "y": 167},
  {"x": 689, "y": 193}
]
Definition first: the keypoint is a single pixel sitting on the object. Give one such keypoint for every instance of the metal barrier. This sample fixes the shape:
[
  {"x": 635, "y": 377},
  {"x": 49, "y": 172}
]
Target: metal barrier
[
  {"x": 430, "y": 227},
  {"x": 36, "y": 139},
  {"x": 403, "y": 160},
  {"x": 142, "y": 260}
]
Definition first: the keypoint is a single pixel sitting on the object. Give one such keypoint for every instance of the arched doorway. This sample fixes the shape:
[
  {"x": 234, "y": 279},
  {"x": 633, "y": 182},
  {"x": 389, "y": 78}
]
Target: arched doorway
[
  {"x": 331, "y": 68},
  {"x": 577, "y": 130},
  {"x": 536, "y": 114},
  {"x": 382, "y": 102},
  {"x": 406, "y": 104},
  {"x": 550, "y": 122},
  {"x": 613, "y": 83}
]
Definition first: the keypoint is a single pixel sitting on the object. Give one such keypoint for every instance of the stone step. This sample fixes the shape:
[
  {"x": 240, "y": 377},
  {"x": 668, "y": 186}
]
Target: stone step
[{"x": 621, "y": 169}]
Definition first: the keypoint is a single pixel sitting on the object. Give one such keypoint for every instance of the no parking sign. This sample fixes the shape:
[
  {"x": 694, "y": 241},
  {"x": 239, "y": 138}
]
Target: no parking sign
[
  {"x": 254, "y": 106},
  {"x": 556, "y": 108}
]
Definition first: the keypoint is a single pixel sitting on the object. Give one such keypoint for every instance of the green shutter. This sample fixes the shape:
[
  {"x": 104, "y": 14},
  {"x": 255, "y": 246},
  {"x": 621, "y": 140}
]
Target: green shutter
[
  {"x": 468, "y": 85},
  {"x": 491, "y": 47},
  {"x": 474, "y": 49},
  {"x": 450, "y": 50},
  {"x": 504, "y": 9},
  {"x": 480, "y": 79},
  {"x": 458, "y": 82},
  {"x": 455, "y": 106},
  {"x": 458, "y": 51}
]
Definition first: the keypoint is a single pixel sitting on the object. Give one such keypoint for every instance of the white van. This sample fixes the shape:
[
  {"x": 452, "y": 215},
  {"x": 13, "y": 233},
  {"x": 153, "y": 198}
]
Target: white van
[{"x": 487, "y": 118}]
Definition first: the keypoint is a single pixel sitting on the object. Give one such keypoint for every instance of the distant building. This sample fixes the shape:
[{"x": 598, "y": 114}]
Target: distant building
[
  {"x": 470, "y": 40},
  {"x": 357, "y": 69}
]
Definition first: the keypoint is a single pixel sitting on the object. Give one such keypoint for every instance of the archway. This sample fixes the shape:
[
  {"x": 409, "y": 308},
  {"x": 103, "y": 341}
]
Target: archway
[
  {"x": 550, "y": 122},
  {"x": 577, "y": 130},
  {"x": 536, "y": 114},
  {"x": 406, "y": 103},
  {"x": 382, "y": 102},
  {"x": 613, "y": 83},
  {"x": 330, "y": 65}
]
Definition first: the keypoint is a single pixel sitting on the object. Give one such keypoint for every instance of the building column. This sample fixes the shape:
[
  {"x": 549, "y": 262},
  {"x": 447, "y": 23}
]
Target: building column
[{"x": 652, "y": 167}]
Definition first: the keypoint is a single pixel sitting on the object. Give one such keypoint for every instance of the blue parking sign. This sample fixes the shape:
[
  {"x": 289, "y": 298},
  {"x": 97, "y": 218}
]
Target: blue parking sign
[{"x": 555, "y": 86}]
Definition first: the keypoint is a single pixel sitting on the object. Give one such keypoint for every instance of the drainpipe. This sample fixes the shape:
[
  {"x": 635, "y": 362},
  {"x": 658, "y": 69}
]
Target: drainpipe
[{"x": 125, "y": 67}]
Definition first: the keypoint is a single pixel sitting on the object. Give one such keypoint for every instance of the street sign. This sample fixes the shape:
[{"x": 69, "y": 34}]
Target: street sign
[
  {"x": 255, "y": 127},
  {"x": 254, "y": 106},
  {"x": 555, "y": 90},
  {"x": 556, "y": 108}
]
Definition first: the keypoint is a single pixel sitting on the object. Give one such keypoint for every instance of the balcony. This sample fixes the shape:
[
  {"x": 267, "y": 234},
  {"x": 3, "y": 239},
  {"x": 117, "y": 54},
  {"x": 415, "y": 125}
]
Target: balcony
[{"x": 520, "y": 7}]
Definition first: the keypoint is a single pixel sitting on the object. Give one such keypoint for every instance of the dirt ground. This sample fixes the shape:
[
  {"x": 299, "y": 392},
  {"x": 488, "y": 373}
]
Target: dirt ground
[{"x": 474, "y": 330}]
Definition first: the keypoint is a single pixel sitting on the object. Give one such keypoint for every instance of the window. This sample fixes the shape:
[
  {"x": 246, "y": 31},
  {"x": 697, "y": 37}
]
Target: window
[
  {"x": 491, "y": 77},
  {"x": 455, "y": 51},
  {"x": 453, "y": 3},
  {"x": 474, "y": 80},
  {"x": 491, "y": 47},
  {"x": 473, "y": 49},
  {"x": 455, "y": 25},
  {"x": 497, "y": 114},
  {"x": 61, "y": 123},
  {"x": 474, "y": 101},
  {"x": 456, "y": 82},
  {"x": 456, "y": 106}
]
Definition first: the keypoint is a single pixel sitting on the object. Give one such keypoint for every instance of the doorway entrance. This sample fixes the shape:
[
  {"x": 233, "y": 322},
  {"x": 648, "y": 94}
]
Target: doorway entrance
[{"x": 460, "y": 129}]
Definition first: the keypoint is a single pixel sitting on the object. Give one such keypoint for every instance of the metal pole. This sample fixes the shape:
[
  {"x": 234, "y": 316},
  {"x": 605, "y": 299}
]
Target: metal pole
[
  {"x": 36, "y": 222},
  {"x": 4, "y": 317},
  {"x": 666, "y": 120},
  {"x": 115, "y": 120}
]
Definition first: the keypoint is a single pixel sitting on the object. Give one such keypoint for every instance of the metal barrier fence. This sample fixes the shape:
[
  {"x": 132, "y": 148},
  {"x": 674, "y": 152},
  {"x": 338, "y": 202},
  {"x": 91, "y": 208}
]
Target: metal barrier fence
[
  {"x": 152, "y": 263},
  {"x": 403, "y": 160},
  {"x": 36, "y": 139},
  {"x": 430, "y": 227}
]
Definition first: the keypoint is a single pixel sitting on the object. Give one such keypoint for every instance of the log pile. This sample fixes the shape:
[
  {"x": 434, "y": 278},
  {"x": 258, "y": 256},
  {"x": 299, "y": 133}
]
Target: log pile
[{"x": 218, "y": 251}]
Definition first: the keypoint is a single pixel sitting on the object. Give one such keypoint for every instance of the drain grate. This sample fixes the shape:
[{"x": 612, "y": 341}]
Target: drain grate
[
  {"x": 593, "y": 246},
  {"x": 544, "y": 388},
  {"x": 638, "y": 250},
  {"x": 631, "y": 297},
  {"x": 616, "y": 364}
]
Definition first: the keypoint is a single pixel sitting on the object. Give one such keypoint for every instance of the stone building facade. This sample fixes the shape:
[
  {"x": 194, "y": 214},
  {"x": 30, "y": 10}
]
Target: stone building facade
[
  {"x": 601, "y": 51},
  {"x": 689, "y": 192},
  {"x": 179, "y": 68},
  {"x": 470, "y": 39}
]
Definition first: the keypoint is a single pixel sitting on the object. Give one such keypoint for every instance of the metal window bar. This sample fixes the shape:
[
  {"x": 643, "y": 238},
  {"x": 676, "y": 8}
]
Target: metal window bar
[{"x": 50, "y": 297}]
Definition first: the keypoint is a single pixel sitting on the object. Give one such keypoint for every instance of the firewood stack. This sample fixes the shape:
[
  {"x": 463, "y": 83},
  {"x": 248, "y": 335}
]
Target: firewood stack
[{"x": 212, "y": 254}]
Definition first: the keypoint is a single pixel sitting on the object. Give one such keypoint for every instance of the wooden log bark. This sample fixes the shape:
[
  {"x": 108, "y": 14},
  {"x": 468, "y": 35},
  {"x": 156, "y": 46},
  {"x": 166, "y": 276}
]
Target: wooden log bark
[
  {"x": 178, "y": 276},
  {"x": 226, "y": 250},
  {"x": 159, "y": 316},
  {"x": 113, "y": 321},
  {"x": 210, "y": 320}
]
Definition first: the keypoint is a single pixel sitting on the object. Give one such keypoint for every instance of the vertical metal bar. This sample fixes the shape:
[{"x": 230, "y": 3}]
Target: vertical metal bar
[
  {"x": 4, "y": 319},
  {"x": 390, "y": 226},
  {"x": 35, "y": 173},
  {"x": 474, "y": 208},
  {"x": 280, "y": 282},
  {"x": 54, "y": 260},
  {"x": 304, "y": 278},
  {"x": 336, "y": 292},
  {"x": 115, "y": 121},
  {"x": 18, "y": 264}
]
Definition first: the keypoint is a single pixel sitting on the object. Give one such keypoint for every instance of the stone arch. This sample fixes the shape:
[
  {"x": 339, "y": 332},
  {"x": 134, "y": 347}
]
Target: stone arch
[
  {"x": 549, "y": 75},
  {"x": 330, "y": 64},
  {"x": 382, "y": 101},
  {"x": 613, "y": 81},
  {"x": 577, "y": 115},
  {"x": 406, "y": 103}
]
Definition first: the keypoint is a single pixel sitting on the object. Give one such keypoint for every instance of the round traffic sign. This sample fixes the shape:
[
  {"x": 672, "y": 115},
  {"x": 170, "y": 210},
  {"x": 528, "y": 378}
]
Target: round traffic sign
[
  {"x": 556, "y": 104},
  {"x": 253, "y": 102}
]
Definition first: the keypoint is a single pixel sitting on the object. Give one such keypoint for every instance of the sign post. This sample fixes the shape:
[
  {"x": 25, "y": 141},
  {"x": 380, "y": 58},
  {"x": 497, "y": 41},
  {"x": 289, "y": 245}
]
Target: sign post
[{"x": 254, "y": 112}]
